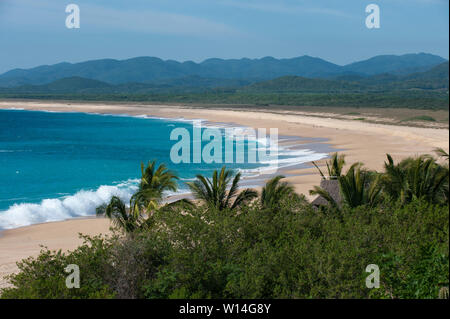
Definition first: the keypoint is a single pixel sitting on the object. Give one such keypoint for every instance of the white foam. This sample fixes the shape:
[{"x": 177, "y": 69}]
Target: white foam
[{"x": 83, "y": 203}]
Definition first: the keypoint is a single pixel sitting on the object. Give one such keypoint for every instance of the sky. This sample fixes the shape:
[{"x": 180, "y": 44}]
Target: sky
[{"x": 33, "y": 32}]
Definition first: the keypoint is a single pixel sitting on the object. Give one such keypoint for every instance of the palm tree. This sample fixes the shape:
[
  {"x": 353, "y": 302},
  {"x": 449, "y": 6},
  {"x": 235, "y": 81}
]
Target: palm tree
[
  {"x": 419, "y": 177},
  {"x": 445, "y": 188},
  {"x": 334, "y": 167},
  {"x": 154, "y": 182},
  {"x": 214, "y": 191},
  {"x": 275, "y": 191},
  {"x": 128, "y": 220},
  {"x": 360, "y": 187},
  {"x": 357, "y": 187}
]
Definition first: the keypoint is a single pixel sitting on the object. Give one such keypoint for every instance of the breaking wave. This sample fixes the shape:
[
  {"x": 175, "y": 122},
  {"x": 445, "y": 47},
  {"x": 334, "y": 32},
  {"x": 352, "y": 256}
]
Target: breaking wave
[{"x": 81, "y": 204}]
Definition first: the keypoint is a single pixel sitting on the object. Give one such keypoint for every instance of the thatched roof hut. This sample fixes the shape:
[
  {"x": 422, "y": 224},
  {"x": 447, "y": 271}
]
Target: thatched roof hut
[{"x": 332, "y": 187}]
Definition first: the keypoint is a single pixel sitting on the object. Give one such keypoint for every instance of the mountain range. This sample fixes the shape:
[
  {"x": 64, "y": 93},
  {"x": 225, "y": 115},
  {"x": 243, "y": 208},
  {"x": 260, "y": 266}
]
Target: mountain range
[
  {"x": 435, "y": 79},
  {"x": 151, "y": 72}
]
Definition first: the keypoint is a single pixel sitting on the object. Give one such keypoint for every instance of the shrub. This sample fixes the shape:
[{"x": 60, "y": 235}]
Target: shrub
[{"x": 44, "y": 276}]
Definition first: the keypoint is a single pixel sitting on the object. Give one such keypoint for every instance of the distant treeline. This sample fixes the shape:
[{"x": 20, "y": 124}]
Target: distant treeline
[
  {"x": 414, "y": 100},
  {"x": 421, "y": 90}
]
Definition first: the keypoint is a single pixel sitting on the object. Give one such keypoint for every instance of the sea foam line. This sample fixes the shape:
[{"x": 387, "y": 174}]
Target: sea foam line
[{"x": 81, "y": 204}]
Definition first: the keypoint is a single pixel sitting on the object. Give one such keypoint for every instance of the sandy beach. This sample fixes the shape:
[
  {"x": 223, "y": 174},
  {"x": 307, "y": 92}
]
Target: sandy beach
[{"x": 360, "y": 141}]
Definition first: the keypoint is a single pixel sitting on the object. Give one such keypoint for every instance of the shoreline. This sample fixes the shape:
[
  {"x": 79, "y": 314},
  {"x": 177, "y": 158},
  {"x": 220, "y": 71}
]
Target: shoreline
[
  {"x": 365, "y": 142},
  {"x": 318, "y": 149}
]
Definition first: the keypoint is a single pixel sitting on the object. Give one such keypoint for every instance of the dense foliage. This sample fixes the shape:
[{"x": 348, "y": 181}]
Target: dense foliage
[
  {"x": 276, "y": 246},
  {"x": 410, "y": 99}
]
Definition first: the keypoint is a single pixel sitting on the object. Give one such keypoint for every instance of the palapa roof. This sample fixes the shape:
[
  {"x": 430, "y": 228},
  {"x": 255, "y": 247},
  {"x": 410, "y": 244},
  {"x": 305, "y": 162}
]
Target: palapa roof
[{"x": 332, "y": 187}]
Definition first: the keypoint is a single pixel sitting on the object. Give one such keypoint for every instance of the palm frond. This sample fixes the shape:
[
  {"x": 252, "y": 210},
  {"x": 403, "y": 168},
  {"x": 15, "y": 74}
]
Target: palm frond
[
  {"x": 275, "y": 191},
  {"x": 334, "y": 167},
  {"x": 217, "y": 191},
  {"x": 441, "y": 153},
  {"x": 244, "y": 197}
]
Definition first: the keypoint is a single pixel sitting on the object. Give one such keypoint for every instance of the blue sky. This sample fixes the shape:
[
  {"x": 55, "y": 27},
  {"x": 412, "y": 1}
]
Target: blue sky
[{"x": 33, "y": 32}]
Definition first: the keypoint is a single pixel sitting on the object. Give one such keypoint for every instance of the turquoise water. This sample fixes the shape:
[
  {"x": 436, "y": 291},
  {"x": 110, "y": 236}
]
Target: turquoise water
[{"x": 55, "y": 166}]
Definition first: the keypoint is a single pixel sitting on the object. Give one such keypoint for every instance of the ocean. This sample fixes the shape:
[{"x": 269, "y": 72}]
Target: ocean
[{"x": 61, "y": 165}]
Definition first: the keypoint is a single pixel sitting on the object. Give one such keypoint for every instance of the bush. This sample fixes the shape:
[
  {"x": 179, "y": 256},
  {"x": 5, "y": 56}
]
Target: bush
[
  {"x": 293, "y": 251},
  {"x": 44, "y": 276},
  {"x": 425, "y": 118}
]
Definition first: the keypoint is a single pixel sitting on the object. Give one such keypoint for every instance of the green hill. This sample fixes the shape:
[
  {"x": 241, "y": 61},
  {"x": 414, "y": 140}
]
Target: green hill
[
  {"x": 301, "y": 84},
  {"x": 395, "y": 64},
  {"x": 425, "y": 90},
  {"x": 151, "y": 70},
  {"x": 435, "y": 79}
]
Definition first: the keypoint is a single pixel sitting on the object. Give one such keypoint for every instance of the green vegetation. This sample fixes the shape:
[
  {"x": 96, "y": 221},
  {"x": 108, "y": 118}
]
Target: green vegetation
[
  {"x": 334, "y": 167},
  {"x": 358, "y": 187},
  {"x": 275, "y": 246},
  {"x": 409, "y": 99},
  {"x": 434, "y": 79},
  {"x": 276, "y": 192},
  {"x": 213, "y": 192},
  {"x": 422, "y": 90},
  {"x": 420, "y": 118},
  {"x": 147, "y": 199},
  {"x": 419, "y": 177}
]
